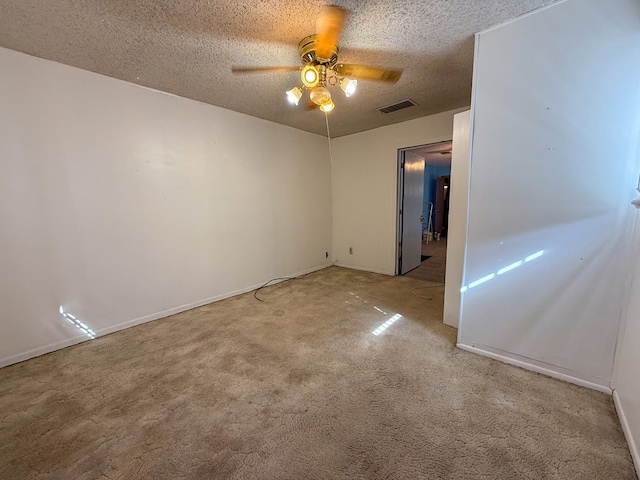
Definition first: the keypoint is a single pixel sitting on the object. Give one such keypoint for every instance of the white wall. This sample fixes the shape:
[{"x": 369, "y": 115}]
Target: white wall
[
  {"x": 457, "y": 226},
  {"x": 124, "y": 204},
  {"x": 365, "y": 189},
  {"x": 553, "y": 169},
  {"x": 627, "y": 377}
]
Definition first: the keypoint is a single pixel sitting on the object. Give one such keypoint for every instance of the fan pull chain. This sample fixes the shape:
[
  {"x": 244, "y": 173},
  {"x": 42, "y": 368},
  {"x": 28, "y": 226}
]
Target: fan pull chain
[{"x": 326, "y": 117}]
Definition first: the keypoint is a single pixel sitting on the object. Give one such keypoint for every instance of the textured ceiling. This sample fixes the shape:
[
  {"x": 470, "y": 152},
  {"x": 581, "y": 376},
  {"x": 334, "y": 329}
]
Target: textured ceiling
[{"x": 187, "y": 47}]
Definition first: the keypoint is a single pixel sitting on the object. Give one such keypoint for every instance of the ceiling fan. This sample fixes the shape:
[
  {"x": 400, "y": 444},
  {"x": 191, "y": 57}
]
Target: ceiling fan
[{"x": 320, "y": 66}]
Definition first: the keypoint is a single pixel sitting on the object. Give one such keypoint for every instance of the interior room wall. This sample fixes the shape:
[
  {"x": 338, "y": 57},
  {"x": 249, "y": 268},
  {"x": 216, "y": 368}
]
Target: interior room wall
[
  {"x": 458, "y": 208},
  {"x": 626, "y": 379},
  {"x": 553, "y": 169},
  {"x": 123, "y": 204},
  {"x": 365, "y": 189}
]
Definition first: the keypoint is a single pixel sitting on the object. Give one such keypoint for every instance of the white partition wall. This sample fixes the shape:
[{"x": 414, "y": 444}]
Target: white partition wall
[
  {"x": 556, "y": 115},
  {"x": 457, "y": 229},
  {"x": 627, "y": 378},
  {"x": 123, "y": 204}
]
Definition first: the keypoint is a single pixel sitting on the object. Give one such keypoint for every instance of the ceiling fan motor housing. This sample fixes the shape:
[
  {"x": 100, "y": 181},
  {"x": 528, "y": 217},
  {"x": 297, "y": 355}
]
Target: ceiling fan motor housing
[{"x": 307, "y": 51}]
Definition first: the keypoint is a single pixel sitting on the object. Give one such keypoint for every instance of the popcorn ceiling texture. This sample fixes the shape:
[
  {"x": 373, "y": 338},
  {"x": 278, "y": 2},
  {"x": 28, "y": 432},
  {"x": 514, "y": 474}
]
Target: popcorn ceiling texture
[
  {"x": 298, "y": 387},
  {"x": 187, "y": 47}
]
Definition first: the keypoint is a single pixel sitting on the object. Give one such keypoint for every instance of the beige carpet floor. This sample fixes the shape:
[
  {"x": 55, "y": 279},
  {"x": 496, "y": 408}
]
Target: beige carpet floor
[{"x": 298, "y": 387}]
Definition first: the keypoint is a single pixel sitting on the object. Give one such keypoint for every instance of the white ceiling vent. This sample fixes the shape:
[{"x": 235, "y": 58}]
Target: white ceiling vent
[{"x": 397, "y": 106}]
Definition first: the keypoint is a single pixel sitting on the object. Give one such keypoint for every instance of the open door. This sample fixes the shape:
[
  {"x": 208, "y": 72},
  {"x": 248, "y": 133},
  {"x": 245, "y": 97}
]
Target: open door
[{"x": 411, "y": 176}]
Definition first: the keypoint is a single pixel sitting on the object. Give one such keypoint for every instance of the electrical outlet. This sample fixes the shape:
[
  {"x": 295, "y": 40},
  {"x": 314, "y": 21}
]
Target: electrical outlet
[
  {"x": 326, "y": 254},
  {"x": 350, "y": 250}
]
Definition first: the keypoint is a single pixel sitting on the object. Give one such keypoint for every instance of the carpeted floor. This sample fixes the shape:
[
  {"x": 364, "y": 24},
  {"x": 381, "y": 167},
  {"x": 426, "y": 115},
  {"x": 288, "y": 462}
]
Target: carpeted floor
[{"x": 298, "y": 387}]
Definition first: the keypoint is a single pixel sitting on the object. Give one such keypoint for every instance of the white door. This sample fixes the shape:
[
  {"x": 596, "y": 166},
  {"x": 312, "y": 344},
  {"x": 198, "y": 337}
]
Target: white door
[{"x": 413, "y": 185}]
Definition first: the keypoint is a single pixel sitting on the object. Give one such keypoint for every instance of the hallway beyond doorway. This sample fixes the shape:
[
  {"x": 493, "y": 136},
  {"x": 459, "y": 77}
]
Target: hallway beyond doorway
[{"x": 432, "y": 269}]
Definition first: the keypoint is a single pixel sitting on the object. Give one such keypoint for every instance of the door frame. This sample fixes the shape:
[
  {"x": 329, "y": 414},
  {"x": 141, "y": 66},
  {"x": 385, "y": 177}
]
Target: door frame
[
  {"x": 399, "y": 205},
  {"x": 400, "y": 198}
]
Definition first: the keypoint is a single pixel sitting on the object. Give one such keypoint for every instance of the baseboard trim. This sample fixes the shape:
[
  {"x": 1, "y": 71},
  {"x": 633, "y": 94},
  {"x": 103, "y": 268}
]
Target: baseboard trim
[
  {"x": 36, "y": 352},
  {"x": 633, "y": 447},
  {"x": 536, "y": 368}
]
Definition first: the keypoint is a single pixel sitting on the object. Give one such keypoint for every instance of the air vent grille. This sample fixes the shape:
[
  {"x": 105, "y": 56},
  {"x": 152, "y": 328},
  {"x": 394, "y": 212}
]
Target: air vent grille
[{"x": 397, "y": 106}]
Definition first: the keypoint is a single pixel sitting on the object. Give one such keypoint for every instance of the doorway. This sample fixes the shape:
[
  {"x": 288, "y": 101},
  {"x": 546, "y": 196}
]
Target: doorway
[{"x": 423, "y": 207}]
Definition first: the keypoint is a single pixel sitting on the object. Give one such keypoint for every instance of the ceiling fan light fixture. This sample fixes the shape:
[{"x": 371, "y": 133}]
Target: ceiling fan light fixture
[
  {"x": 310, "y": 76},
  {"x": 294, "y": 95},
  {"x": 321, "y": 68},
  {"x": 348, "y": 86},
  {"x": 327, "y": 107},
  {"x": 320, "y": 95}
]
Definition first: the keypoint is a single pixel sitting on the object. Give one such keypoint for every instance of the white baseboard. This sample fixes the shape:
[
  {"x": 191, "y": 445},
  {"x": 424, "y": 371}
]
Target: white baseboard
[
  {"x": 633, "y": 447},
  {"x": 36, "y": 352},
  {"x": 536, "y": 368}
]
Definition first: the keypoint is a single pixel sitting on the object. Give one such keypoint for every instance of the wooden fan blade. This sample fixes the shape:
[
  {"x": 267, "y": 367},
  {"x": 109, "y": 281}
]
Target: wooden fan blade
[
  {"x": 365, "y": 72},
  {"x": 328, "y": 29},
  {"x": 263, "y": 69}
]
